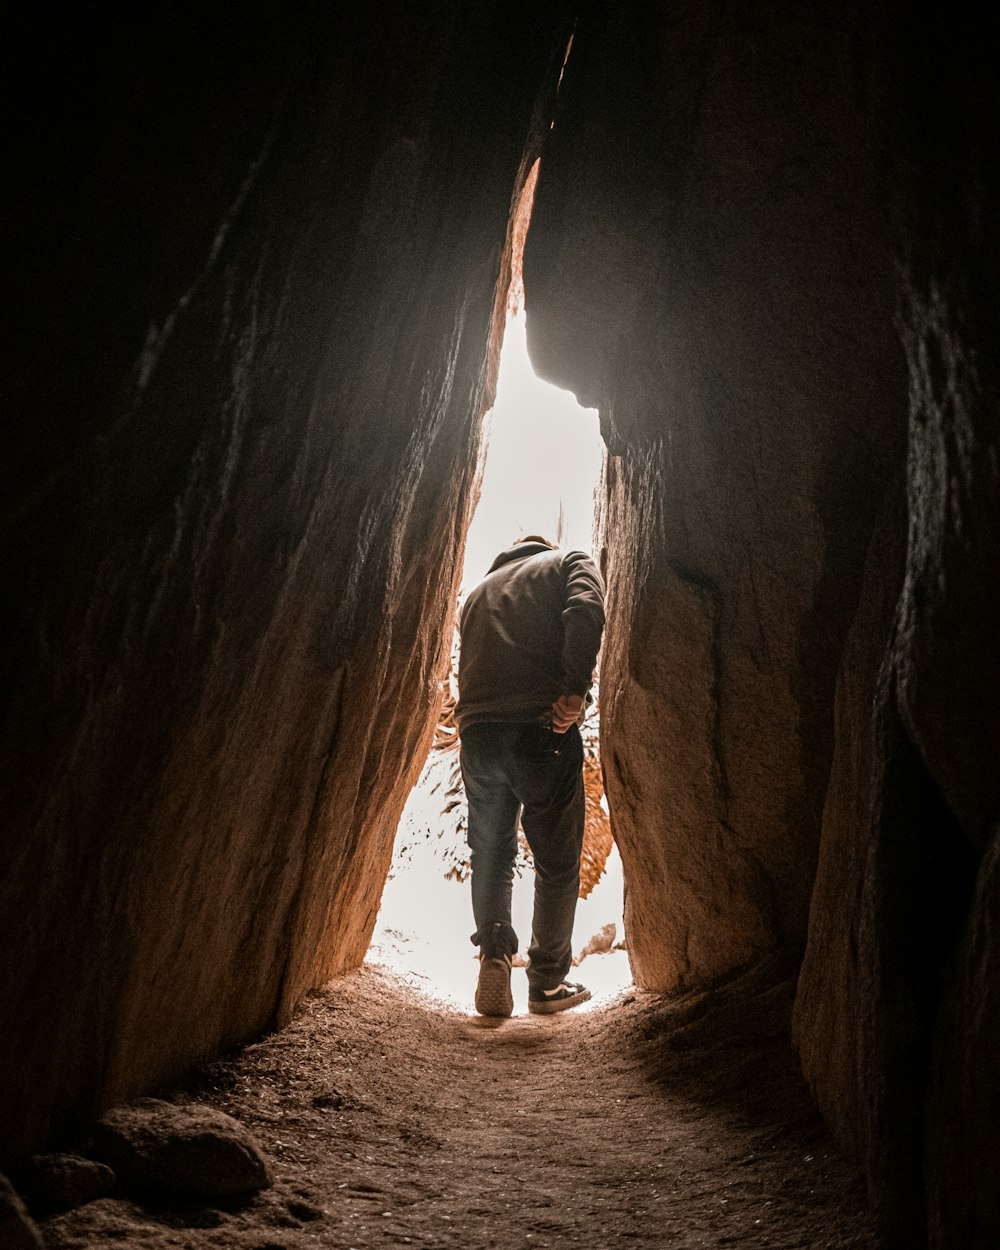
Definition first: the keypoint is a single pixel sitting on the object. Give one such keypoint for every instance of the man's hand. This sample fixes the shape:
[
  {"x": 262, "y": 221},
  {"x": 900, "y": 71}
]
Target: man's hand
[{"x": 566, "y": 711}]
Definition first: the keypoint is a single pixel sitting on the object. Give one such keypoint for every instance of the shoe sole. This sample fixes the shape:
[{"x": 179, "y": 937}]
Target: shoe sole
[
  {"x": 551, "y": 1006},
  {"x": 493, "y": 996}
]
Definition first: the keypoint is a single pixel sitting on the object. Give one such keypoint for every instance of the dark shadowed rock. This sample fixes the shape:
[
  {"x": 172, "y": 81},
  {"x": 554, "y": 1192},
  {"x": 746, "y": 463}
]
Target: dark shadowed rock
[
  {"x": 190, "y": 1150},
  {"x": 963, "y": 1114},
  {"x": 898, "y": 1006},
  {"x": 60, "y": 1182},
  {"x": 861, "y": 1053},
  {"x": 17, "y": 1232}
]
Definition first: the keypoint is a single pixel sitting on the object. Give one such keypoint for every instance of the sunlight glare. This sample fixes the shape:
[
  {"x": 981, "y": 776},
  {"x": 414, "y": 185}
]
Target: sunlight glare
[{"x": 543, "y": 462}]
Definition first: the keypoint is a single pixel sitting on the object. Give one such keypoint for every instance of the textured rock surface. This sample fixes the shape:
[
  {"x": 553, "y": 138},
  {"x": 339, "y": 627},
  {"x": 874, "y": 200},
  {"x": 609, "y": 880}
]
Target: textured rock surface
[
  {"x": 183, "y": 1150},
  {"x": 859, "y": 1021},
  {"x": 897, "y": 1014},
  {"x": 61, "y": 1182},
  {"x": 17, "y": 1230},
  {"x": 709, "y": 262},
  {"x": 728, "y": 257},
  {"x": 256, "y": 300},
  {"x": 963, "y": 1120},
  {"x": 945, "y": 655}
]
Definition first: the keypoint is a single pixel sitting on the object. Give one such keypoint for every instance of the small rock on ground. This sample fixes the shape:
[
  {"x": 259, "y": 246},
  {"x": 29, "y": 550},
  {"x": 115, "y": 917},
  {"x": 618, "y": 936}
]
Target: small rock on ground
[
  {"x": 62, "y": 1182},
  {"x": 189, "y": 1150}
]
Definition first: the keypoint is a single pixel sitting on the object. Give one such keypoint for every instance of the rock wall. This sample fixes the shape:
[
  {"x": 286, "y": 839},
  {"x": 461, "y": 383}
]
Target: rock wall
[
  {"x": 709, "y": 262},
  {"x": 761, "y": 241},
  {"x": 897, "y": 1015},
  {"x": 257, "y": 327}
]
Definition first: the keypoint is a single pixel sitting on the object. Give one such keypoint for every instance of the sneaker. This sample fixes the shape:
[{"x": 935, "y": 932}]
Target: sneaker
[
  {"x": 546, "y": 1002},
  {"x": 493, "y": 996}
]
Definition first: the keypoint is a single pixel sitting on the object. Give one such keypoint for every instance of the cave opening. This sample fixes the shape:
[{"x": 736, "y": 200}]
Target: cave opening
[{"x": 541, "y": 471}]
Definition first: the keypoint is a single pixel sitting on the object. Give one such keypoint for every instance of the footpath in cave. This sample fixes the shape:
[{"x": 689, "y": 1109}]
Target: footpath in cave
[{"x": 393, "y": 1119}]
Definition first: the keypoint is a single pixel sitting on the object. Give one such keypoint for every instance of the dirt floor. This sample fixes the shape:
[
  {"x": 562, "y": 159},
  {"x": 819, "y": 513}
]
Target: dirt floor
[{"x": 395, "y": 1120}]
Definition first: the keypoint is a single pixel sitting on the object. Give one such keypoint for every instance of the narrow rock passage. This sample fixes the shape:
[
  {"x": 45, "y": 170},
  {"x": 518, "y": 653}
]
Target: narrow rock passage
[{"x": 392, "y": 1120}]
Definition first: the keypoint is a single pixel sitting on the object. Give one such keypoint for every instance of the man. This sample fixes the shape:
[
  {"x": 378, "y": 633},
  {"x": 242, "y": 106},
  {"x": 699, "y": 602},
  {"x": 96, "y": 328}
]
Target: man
[{"x": 530, "y": 633}]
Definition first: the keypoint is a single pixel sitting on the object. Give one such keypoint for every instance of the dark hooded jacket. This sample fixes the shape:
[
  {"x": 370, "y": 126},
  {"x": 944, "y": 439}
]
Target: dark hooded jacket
[{"x": 530, "y": 632}]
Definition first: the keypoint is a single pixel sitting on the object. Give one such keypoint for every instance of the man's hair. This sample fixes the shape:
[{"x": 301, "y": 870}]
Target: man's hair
[{"x": 536, "y": 538}]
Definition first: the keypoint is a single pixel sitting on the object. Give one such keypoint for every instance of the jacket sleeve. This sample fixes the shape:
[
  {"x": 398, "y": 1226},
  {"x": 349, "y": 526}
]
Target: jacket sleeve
[{"x": 583, "y": 622}]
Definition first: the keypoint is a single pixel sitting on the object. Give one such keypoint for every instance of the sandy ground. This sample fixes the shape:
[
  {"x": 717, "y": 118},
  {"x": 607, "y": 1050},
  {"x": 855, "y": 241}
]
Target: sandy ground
[{"x": 393, "y": 1119}]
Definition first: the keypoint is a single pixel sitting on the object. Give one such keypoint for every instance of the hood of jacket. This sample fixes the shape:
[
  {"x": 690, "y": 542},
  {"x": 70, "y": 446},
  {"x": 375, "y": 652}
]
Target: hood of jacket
[{"x": 517, "y": 552}]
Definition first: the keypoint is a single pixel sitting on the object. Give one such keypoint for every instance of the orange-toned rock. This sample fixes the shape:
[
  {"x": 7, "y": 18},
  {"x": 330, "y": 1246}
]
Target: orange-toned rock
[
  {"x": 709, "y": 263},
  {"x": 262, "y": 271}
]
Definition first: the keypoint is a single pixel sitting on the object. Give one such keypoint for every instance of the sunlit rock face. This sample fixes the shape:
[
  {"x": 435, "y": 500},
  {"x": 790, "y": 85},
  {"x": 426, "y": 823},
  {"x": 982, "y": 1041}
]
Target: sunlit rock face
[
  {"x": 256, "y": 306},
  {"x": 709, "y": 262}
]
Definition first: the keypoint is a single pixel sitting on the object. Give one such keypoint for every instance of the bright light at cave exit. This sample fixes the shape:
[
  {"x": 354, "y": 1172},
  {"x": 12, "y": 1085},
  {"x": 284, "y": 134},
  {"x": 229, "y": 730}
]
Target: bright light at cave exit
[
  {"x": 542, "y": 471},
  {"x": 543, "y": 464}
]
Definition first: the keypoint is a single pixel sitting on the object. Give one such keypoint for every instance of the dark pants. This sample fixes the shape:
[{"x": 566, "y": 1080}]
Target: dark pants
[{"x": 507, "y": 768}]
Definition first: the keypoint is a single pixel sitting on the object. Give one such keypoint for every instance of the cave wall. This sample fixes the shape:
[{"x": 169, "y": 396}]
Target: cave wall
[
  {"x": 897, "y": 1017},
  {"x": 257, "y": 279},
  {"x": 710, "y": 264},
  {"x": 762, "y": 245}
]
